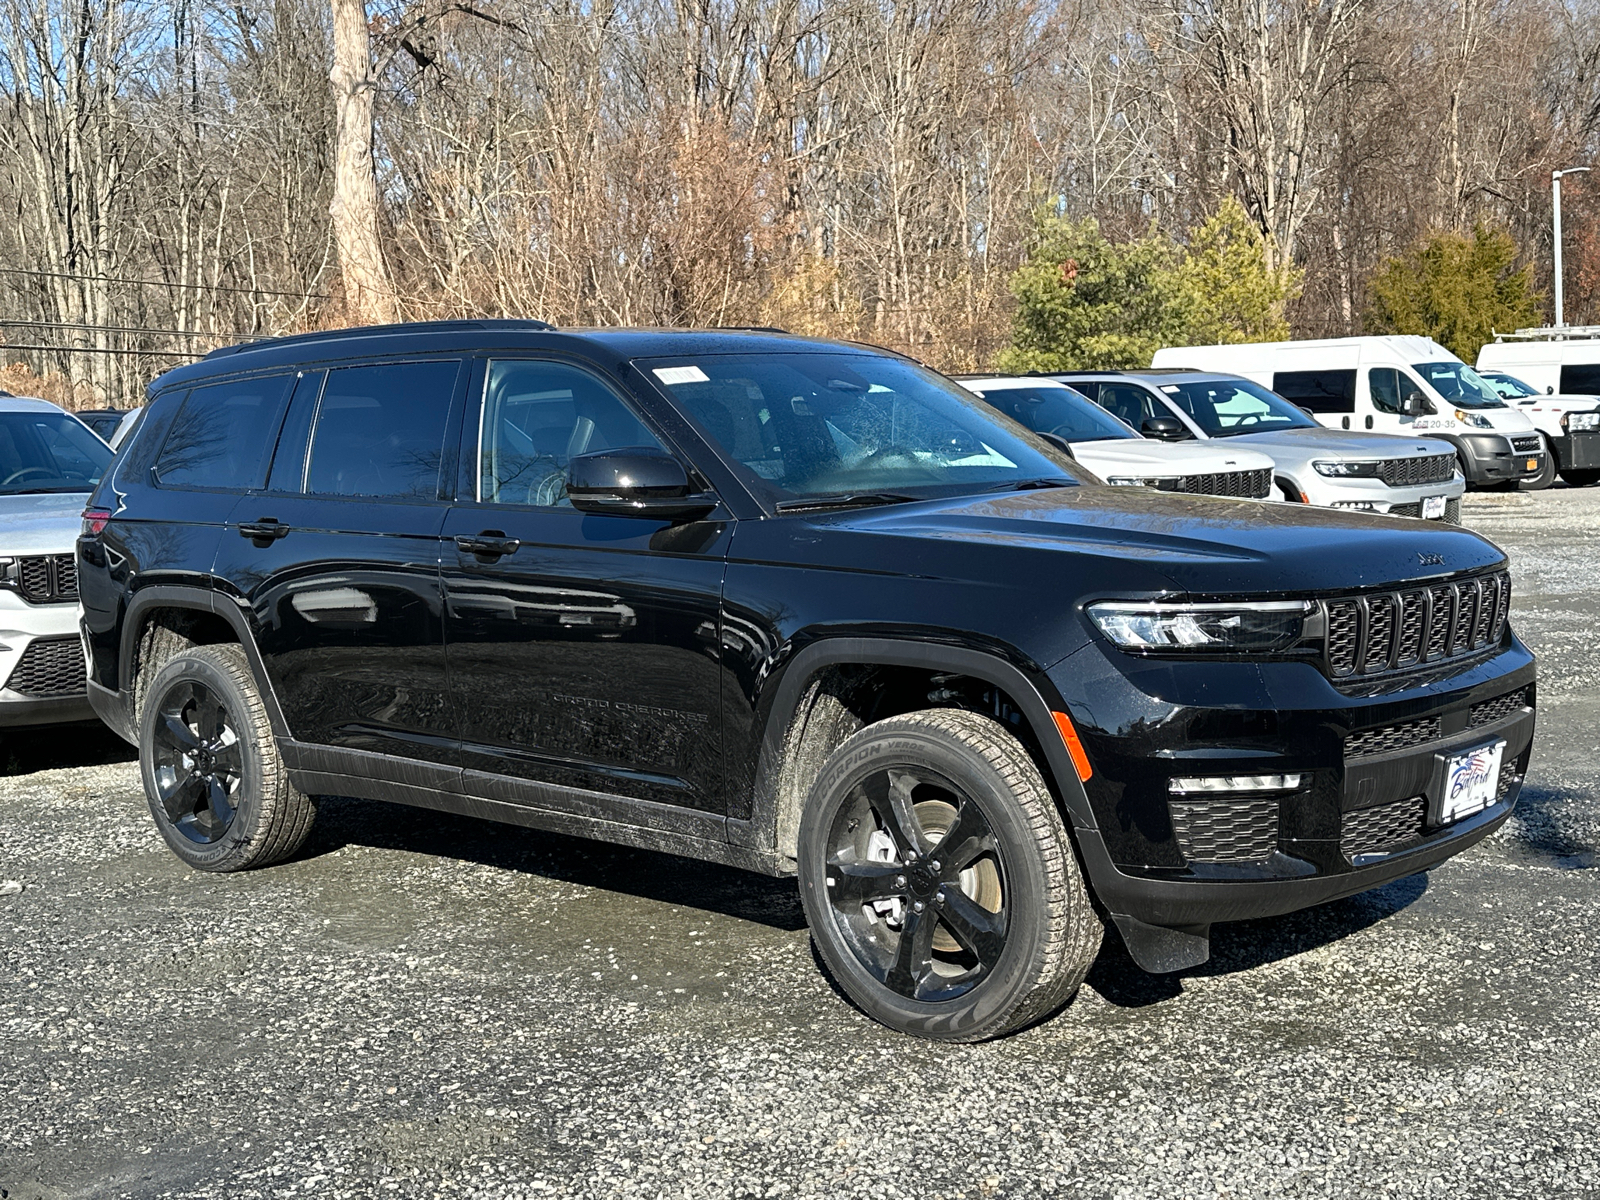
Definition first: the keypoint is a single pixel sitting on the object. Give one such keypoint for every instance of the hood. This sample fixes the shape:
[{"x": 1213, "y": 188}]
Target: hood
[
  {"x": 1080, "y": 539},
  {"x": 1144, "y": 454},
  {"x": 1573, "y": 403},
  {"x": 46, "y": 524},
  {"x": 1344, "y": 444},
  {"x": 1502, "y": 420}
]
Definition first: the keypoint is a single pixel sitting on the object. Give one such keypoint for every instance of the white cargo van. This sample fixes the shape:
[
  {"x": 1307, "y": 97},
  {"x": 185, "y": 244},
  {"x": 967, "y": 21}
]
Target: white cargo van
[
  {"x": 1395, "y": 384},
  {"x": 1554, "y": 377}
]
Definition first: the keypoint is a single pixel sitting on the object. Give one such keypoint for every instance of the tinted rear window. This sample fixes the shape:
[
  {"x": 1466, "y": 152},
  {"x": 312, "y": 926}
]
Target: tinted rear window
[
  {"x": 380, "y": 430},
  {"x": 1319, "y": 391},
  {"x": 222, "y": 437},
  {"x": 1581, "y": 379}
]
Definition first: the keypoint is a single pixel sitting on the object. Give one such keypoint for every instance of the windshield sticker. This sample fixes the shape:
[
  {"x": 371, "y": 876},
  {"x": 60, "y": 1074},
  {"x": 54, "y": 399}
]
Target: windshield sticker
[
  {"x": 1171, "y": 389},
  {"x": 672, "y": 376}
]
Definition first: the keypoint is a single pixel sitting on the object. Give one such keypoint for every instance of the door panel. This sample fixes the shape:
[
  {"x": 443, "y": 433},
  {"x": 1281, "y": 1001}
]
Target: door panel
[{"x": 586, "y": 655}]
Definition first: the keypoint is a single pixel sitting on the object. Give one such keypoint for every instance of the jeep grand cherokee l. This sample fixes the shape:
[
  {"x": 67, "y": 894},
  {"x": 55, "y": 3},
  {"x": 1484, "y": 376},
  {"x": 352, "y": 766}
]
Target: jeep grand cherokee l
[{"x": 800, "y": 607}]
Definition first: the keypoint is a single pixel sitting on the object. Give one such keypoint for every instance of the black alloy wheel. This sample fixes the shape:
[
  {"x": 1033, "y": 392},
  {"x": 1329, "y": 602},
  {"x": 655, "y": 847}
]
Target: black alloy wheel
[
  {"x": 915, "y": 884},
  {"x": 198, "y": 762}
]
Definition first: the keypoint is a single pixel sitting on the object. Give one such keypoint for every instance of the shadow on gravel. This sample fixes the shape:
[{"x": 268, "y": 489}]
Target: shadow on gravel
[
  {"x": 1241, "y": 945},
  {"x": 49, "y": 747},
  {"x": 644, "y": 873},
  {"x": 1538, "y": 826}
]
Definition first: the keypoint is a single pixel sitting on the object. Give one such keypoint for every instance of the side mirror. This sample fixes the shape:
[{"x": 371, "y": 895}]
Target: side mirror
[
  {"x": 1549, "y": 391},
  {"x": 1061, "y": 444},
  {"x": 1417, "y": 405},
  {"x": 1307, "y": 411},
  {"x": 634, "y": 482},
  {"x": 1165, "y": 429}
]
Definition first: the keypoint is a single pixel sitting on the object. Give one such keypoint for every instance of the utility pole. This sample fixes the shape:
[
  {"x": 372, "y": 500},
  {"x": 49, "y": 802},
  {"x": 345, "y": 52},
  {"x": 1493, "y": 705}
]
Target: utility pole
[{"x": 1555, "y": 204}]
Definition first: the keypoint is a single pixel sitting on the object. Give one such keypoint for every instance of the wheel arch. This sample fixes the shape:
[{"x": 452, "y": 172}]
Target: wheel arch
[{"x": 788, "y": 762}]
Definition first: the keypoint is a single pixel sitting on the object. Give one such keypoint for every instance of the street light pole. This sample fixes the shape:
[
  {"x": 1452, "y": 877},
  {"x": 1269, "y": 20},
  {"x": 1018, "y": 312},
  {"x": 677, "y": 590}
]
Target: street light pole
[{"x": 1555, "y": 204}]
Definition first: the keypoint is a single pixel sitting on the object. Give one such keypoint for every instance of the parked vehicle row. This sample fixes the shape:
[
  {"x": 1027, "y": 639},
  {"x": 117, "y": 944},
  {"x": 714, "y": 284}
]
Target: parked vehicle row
[{"x": 807, "y": 609}]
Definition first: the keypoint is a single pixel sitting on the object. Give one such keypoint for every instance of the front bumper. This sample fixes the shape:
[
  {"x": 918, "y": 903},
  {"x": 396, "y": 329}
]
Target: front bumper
[
  {"x": 1373, "y": 495},
  {"x": 1577, "y": 451},
  {"x": 1491, "y": 458},
  {"x": 24, "y": 700},
  {"x": 1364, "y": 813}
]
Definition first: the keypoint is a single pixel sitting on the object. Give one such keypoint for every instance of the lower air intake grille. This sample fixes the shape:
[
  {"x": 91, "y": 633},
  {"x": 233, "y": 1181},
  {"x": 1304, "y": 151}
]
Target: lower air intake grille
[
  {"x": 1494, "y": 710},
  {"x": 1386, "y": 827},
  {"x": 1224, "y": 830},
  {"x": 1389, "y": 738},
  {"x": 1452, "y": 510},
  {"x": 1248, "y": 485},
  {"x": 50, "y": 667}
]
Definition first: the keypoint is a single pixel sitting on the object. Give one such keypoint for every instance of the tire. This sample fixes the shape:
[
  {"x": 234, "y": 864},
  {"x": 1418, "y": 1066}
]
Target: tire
[
  {"x": 217, "y": 788},
  {"x": 1546, "y": 475},
  {"x": 1006, "y": 933},
  {"x": 1580, "y": 478}
]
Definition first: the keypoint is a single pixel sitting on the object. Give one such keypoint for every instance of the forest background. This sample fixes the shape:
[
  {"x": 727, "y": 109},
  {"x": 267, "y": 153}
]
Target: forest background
[{"x": 950, "y": 178}]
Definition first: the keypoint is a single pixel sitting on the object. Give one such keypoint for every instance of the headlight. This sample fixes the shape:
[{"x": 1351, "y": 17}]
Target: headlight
[
  {"x": 1166, "y": 484},
  {"x": 1347, "y": 470},
  {"x": 1580, "y": 422},
  {"x": 1474, "y": 419},
  {"x": 1225, "y": 627}
]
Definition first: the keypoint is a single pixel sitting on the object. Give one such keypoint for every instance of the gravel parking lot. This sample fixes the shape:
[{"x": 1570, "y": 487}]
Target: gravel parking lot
[{"x": 423, "y": 1005}]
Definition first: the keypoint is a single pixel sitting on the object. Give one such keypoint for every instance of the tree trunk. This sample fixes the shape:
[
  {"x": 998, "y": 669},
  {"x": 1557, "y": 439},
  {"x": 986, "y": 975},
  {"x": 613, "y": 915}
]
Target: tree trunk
[{"x": 369, "y": 294}]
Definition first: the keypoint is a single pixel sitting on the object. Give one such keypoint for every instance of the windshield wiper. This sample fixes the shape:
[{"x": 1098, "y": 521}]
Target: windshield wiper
[
  {"x": 847, "y": 500},
  {"x": 63, "y": 491},
  {"x": 1028, "y": 485}
]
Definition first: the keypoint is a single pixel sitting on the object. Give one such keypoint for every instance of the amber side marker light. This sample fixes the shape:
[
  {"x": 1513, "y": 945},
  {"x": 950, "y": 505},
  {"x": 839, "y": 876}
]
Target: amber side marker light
[{"x": 1074, "y": 744}]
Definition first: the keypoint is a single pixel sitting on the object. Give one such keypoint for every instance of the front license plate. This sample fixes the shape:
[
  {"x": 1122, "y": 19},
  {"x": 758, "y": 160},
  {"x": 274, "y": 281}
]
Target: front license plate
[
  {"x": 1433, "y": 507},
  {"x": 1471, "y": 779}
]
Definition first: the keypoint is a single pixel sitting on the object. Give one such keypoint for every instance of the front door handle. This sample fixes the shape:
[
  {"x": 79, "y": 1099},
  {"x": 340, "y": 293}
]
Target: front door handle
[
  {"x": 488, "y": 545},
  {"x": 264, "y": 532}
]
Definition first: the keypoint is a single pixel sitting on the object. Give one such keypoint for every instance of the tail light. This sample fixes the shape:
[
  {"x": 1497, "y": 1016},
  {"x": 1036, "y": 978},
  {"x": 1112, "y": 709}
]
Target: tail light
[{"x": 95, "y": 520}]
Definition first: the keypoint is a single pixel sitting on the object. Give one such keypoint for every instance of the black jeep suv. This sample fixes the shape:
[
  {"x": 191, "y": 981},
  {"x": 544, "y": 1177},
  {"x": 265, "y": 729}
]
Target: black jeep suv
[{"x": 795, "y": 606}]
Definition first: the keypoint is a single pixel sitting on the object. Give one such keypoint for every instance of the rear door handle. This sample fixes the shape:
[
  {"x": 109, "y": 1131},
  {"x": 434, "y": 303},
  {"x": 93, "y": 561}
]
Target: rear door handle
[
  {"x": 265, "y": 531},
  {"x": 489, "y": 544}
]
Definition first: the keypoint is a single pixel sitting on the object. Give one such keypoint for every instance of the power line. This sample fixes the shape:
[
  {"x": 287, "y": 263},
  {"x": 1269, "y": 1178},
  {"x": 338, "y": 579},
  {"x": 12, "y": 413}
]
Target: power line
[
  {"x": 100, "y": 350},
  {"x": 198, "y": 287},
  {"x": 186, "y": 333}
]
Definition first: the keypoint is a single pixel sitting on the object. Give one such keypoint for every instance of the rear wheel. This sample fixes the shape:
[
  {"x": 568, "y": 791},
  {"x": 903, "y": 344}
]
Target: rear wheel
[
  {"x": 1580, "y": 478},
  {"x": 216, "y": 786},
  {"x": 939, "y": 882}
]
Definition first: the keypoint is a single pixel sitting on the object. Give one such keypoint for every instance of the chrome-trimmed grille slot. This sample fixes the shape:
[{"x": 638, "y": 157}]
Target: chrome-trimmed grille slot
[
  {"x": 1383, "y": 827},
  {"x": 1225, "y": 830},
  {"x": 50, "y": 667},
  {"x": 1418, "y": 469},
  {"x": 1374, "y": 634},
  {"x": 48, "y": 578},
  {"x": 1387, "y": 738}
]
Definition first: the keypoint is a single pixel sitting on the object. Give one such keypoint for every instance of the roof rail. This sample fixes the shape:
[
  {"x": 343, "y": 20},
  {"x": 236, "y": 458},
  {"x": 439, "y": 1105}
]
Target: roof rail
[
  {"x": 1550, "y": 333},
  {"x": 456, "y": 326}
]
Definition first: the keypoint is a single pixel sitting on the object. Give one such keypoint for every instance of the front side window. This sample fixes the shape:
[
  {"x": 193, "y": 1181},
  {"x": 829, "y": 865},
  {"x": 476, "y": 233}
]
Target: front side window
[
  {"x": 537, "y": 417},
  {"x": 809, "y": 425},
  {"x": 1459, "y": 384},
  {"x": 380, "y": 430},
  {"x": 1059, "y": 411},
  {"x": 223, "y": 435},
  {"x": 1383, "y": 384},
  {"x": 48, "y": 451},
  {"x": 1226, "y": 407}
]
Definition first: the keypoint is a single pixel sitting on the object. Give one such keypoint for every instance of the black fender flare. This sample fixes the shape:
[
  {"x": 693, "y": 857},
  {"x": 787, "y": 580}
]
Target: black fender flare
[
  {"x": 762, "y": 828},
  {"x": 204, "y": 600}
]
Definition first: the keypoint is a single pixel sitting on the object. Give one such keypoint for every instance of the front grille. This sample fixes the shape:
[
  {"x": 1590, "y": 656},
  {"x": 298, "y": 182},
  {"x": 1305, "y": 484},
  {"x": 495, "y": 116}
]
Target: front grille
[
  {"x": 1418, "y": 469},
  {"x": 1225, "y": 830},
  {"x": 50, "y": 667},
  {"x": 1530, "y": 444},
  {"x": 48, "y": 579},
  {"x": 1384, "y": 827},
  {"x": 1369, "y": 635},
  {"x": 1247, "y": 485},
  {"x": 1497, "y": 709},
  {"x": 1388, "y": 738}
]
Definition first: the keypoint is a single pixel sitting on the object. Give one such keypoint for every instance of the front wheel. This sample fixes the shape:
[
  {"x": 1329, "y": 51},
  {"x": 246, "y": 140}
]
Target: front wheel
[
  {"x": 1546, "y": 475},
  {"x": 941, "y": 889},
  {"x": 1580, "y": 478}
]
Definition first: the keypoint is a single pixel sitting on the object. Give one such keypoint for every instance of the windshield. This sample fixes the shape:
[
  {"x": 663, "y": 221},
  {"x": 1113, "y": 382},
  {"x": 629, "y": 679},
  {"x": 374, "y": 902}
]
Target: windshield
[
  {"x": 1059, "y": 411},
  {"x": 1226, "y": 407},
  {"x": 833, "y": 424},
  {"x": 1509, "y": 386},
  {"x": 48, "y": 452},
  {"x": 1459, "y": 384}
]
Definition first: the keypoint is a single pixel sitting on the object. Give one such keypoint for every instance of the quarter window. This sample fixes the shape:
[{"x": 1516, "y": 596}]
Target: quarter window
[
  {"x": 1580, "y": 379},
  {"x": 380, "y": 430},
  {"x": 537, "y": 417},
  {"x": 223, "y": 435}
]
